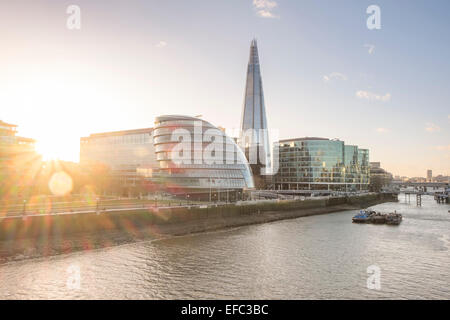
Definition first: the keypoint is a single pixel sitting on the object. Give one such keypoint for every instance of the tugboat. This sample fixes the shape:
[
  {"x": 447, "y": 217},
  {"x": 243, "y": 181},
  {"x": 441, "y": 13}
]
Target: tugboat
[{"x": 362, "y": 217}]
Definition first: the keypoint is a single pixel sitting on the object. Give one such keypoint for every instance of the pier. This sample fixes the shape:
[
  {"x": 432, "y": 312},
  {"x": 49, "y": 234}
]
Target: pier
[
  {"x": 418, "y": 195},
  {"x": 439, "y": 196}
]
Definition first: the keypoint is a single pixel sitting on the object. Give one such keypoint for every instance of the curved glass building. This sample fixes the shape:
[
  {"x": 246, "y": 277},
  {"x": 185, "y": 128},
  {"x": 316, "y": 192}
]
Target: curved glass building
[{"x": 198, "y": 159}]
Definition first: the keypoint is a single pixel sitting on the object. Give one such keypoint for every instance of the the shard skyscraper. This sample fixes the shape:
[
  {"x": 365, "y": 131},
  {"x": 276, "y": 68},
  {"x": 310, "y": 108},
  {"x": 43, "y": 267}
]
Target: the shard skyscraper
[{"x": 254, "y": 137}]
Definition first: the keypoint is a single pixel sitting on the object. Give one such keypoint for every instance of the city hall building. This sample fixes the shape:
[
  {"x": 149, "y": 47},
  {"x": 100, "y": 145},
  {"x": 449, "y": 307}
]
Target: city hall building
[
  {"x": 190, "y": 165},
  {"x": 312, "y": 163},
  {"x": 149, "y": 155}
]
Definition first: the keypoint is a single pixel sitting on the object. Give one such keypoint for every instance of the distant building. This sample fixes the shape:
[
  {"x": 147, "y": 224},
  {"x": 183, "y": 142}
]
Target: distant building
[
  {"x": 379, "y": 177},
  {"x": 9, "y": 138},
  {"x": 197, "y": 170},
  {"x": 375, "y": 165},
  {"x": 399, "y": 179},
  {"x": 312, "y": 163},
  {"x": 19, "y": 162},
  {"x": 417, "y": 179},
  {"x": 429, "y": 175},
  {"x": 442, "y": 178},
  {"x": 126, "y": 153}
]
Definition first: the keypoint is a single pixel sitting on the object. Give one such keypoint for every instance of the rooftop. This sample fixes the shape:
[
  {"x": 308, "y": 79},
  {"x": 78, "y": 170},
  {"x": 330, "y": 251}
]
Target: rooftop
[
  {"x": 303, "y": 139},
  {"x": 119, "y": 133},
  {"x": 7, "y": 124}
]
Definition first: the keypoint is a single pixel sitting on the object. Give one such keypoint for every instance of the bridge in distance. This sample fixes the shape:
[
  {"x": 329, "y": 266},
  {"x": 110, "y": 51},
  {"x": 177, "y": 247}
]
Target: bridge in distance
[{"x": 421, "y": 184}]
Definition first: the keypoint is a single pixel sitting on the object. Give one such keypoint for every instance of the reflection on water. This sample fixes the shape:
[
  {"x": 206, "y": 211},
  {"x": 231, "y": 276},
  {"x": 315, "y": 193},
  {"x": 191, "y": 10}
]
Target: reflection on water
[{"x": 313, "y": 257}]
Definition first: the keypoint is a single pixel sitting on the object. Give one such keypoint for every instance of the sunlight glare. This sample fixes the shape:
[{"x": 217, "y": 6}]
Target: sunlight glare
[
  {"x": 60, "y": 183},
  {"x": 56, "y": 148}
]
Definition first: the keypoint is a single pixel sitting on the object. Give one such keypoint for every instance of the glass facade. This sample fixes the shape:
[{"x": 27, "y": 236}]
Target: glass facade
[
  {"x": 196, "y": 167},
  {"x": 124, "y": 152},
  {"x": 254, "y": 122},
  {"x": 14, "y": 149},
  {"x": 364, "y": 166},
  {"x": 321, "y": 164},
  {"x": 19, "y": 162}
]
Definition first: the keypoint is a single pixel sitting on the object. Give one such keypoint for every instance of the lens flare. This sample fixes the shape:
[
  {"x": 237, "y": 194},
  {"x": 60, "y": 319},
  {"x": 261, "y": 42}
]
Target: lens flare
[{"x": 60, "y": 183}]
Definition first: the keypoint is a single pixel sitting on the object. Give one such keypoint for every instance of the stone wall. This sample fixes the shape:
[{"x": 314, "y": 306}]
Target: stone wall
[{"x": 61, "y": 225}]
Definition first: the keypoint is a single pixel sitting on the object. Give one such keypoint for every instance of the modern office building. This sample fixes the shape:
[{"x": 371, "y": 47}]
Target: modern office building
[
  {"x": 364, "y": 167},
  {"x": 313, "y": 163},
  {"x": 199, "y": 160},
  {"x": 126, "y": 153},
  {"x": 254, "y": 137},
  {"x": 19, "y": 161},
  {"x": 9, "y": 138}
]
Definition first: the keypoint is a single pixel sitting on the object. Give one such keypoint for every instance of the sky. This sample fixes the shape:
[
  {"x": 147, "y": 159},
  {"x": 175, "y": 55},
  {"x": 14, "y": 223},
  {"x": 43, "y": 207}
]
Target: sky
[{"x": 325, "y": 73}]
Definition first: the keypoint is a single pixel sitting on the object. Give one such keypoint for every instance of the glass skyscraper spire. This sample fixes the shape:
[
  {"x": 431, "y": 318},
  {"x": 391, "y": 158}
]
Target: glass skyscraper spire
[{"x": 254, "y": 135}]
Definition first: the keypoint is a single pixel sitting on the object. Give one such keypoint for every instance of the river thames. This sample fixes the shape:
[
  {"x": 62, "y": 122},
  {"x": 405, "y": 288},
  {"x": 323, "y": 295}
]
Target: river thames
[{"x": 317, "y": 257}]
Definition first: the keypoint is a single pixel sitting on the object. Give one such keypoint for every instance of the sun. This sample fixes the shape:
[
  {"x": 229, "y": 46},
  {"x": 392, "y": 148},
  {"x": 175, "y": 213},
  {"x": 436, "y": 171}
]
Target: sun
[{"x": 56, "y": 148}]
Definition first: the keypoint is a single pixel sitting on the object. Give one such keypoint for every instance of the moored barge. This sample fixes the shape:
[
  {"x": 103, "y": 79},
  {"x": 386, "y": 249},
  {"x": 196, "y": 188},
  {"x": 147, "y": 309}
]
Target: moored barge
[{"x": 370, "y": 216}]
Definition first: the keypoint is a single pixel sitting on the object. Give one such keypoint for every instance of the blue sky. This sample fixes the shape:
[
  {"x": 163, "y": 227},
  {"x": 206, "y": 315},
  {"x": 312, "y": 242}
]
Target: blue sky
[{"x": 324, "y": 72}]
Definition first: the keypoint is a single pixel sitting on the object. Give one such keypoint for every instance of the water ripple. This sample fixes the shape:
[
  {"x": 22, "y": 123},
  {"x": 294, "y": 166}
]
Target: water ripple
[{"x": 324, "y": 257}]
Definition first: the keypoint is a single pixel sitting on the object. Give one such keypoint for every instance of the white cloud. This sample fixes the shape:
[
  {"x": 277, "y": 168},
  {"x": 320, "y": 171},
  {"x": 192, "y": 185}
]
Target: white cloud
[
  {"x": 264, "y": 4},
  {"x": 383, "y": 130},
  {"x": 265, "y": 14},
  {"x": 334, "y": 75},
  {"x": 370, "y": 48},
  {"x": 373, "y": 96},
  {"x": 161, "y": 44},
  {"x": 264, "y": 8},
  {"x": 431, "y": 127}
]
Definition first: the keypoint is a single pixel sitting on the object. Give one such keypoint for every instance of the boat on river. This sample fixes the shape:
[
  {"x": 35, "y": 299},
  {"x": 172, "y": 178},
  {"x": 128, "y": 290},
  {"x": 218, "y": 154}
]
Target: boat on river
[
  {"x": 378, "y": 218},
  {"x": 394, "y": 218},
  {"x": 370, "y": 216},
  {"x": 362, "y": 217}
]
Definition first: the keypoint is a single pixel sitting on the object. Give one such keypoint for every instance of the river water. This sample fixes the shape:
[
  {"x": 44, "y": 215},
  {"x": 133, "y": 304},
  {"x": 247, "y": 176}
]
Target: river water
[{"x": 318, "y": 257}]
